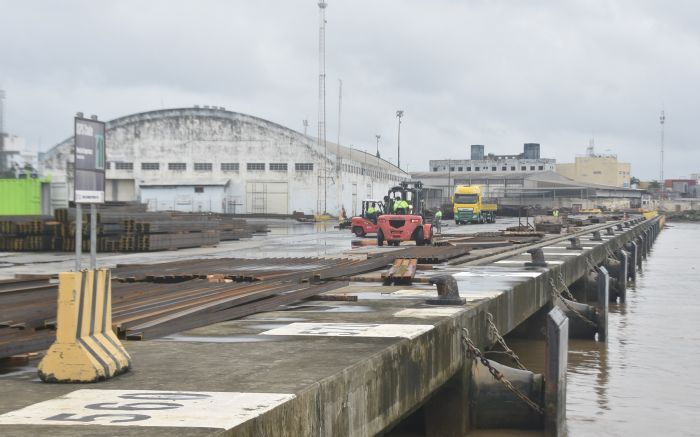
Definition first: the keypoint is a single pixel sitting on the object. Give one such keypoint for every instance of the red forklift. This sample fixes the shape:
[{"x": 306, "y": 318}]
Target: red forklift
[
  {"x": 366, "y": 223},
  {"x": 397, "y": 226}
]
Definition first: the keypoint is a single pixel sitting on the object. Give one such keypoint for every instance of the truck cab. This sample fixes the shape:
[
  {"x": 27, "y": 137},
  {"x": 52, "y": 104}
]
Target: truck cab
[{"x": 469, "y": 207}]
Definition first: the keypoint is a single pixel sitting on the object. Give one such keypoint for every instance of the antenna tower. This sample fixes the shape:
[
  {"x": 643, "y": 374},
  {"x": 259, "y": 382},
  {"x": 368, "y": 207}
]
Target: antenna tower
[
  {"x": 322, "y": 98},
  {"x": 662, "y": 120}
]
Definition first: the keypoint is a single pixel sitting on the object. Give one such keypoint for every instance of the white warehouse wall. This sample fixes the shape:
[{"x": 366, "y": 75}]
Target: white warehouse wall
[{"x": 216, "y": 146}]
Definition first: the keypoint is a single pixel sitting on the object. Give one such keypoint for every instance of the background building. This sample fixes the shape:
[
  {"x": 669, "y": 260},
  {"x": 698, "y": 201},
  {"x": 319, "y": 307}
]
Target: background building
[
  {"x": 542, "y": 190},
  {"x": 527, "y": 162},
  {"x": 681, "y": 187},
  {"x": 211, "y": 159},
  {"x": 597, "y": 169}
]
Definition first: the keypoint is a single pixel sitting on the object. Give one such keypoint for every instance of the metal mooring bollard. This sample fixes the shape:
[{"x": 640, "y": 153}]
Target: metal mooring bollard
[
  {"x": 574, "y": 244},
  {"x": 86, "y": 349},
  {"x": 596, "y": 236},
  {"x": 628, "y": 225},
  {"x": 536, "y": 258},
  {"x": 619, "y": 226},
  {"x": 448, "y": 292},
  {"x": 609, "y": 231}
]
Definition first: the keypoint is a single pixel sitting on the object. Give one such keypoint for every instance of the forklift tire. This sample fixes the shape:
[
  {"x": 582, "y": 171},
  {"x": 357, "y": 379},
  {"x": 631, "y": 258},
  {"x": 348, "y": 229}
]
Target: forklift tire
[
  {"x": 380, "y": 238},
  {"x": 420, "y": 237},
  {"x": 358, "y": 231}
]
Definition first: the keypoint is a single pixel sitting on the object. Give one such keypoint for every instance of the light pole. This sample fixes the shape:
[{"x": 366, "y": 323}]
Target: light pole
[
  {"x": 399, "y": 114},
  {"x": 378, "y": 137},
  {"x": 662, "y": 120}
]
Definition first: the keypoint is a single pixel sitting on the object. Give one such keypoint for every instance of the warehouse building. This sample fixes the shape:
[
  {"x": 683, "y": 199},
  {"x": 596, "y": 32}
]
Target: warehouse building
[
  {"x": 597, "y": 169},
  {"x": 211, "y": 159},
  {"x": 527, "y": 162}
]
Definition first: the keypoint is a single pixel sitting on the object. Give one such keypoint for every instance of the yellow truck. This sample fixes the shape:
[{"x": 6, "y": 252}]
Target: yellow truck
[{"x": 469, "y": 207}]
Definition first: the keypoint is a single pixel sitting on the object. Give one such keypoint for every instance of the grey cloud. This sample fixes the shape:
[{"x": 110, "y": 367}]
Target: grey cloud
[{"x": 500, "y": 73}]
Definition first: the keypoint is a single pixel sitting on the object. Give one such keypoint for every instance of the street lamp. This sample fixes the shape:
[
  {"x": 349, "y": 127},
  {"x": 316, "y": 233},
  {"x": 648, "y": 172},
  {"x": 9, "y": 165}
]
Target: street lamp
[
  {"x": 399, "y": 114},
  {"x": 378, "y": 137}
]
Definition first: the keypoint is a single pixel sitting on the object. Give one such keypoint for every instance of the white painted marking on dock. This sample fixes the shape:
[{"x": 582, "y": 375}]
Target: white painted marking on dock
[
  {"x": 351, "y": 330},
  {"x": 424, "y": 313},
  {"x": 497, "y": 274},
  {"x": 562, "y": 247},
  {"x": 522, "y": 262},
  {"x": 469, "y": 295},
  {"x": 572, "y": 253},
  {"x": 148, "y": 408}
]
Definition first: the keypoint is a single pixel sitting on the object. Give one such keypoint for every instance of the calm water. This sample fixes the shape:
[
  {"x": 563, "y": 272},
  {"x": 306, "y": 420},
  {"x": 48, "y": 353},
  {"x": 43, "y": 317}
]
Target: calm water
[{"x": 646, "y": 380}]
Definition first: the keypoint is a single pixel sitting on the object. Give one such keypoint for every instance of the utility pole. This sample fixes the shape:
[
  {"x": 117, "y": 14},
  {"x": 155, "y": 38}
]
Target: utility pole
[
  {"x": 662, "y": 120},
  {"x": 338, "y": 159},
  {"x": 2, "y": 131},
  {"x": 378, "y": 137},
  {"x": 399, "y": 114},
  {"x": 306, "y": 125},
  {"x": 322, "y": 96}
]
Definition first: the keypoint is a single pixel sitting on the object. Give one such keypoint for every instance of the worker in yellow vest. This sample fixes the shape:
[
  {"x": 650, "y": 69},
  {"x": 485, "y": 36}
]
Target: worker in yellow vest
[
  {"x": 436, "y": 220},
  {"x": 372, "y": 212},
  {"x": 401, "y": 207}
]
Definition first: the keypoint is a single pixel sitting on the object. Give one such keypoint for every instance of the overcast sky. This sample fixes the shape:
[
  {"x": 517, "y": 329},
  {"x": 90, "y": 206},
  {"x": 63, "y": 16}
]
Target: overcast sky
[{"x": 499, "y": 73}]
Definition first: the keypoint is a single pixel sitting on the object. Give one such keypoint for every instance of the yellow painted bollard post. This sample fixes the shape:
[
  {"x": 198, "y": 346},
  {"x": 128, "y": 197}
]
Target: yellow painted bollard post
[{"x": 86, "y": 348}]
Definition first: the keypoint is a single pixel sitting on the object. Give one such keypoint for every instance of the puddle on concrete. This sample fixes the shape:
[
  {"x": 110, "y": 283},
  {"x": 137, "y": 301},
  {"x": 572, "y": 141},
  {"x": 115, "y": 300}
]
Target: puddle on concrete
[
  {"x": 254, "y": 319},
  {"x": 232, "y": 339},
  {"x": 350, "y": 309},
  {"x": 6, "y": 372}
]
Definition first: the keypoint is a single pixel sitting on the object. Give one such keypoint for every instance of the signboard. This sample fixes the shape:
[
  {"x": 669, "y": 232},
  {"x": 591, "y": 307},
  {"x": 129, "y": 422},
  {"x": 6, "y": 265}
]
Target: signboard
[{"x": 89, "y": 177}]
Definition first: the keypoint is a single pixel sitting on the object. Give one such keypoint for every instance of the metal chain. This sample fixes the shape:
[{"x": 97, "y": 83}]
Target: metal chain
[
  {"x": 610, "y": 252},
  {"x": 557, "y": 293},
  {"x": 590, "y": 263},
  {"x": 475, "y": 353},
  {"x": 566, "y": 290},
  {"x": 511, "y": 353}
]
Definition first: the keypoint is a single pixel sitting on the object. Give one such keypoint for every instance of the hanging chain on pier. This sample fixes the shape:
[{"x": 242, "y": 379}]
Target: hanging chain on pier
[
  {"x": 589, "y": 261},
  {"x": 511, "y": 353},
  {"x": 557, "y": 293},
  {"x": 611, "y": 254},
  {"x": 566, "y": 290},
  {"x": 475, "y": 353}
]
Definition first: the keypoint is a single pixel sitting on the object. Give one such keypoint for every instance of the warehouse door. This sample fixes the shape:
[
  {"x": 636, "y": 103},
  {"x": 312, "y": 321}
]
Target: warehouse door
[{"x": 267, "y": 198}]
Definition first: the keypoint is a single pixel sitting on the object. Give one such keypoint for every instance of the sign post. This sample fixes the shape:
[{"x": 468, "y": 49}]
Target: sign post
[{"x": 88, "y": 179}]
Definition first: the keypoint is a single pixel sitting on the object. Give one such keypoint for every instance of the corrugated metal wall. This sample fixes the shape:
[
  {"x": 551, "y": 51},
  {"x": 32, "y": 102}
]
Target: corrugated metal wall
[{"x": 21, "y": 196}]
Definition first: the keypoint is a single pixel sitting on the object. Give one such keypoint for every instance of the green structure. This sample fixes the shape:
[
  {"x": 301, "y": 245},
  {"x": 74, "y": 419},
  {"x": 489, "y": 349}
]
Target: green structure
[{"x": 21, "y": 196}]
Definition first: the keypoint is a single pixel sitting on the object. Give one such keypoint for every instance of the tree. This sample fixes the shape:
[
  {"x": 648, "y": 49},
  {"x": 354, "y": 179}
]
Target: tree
[
  {"x": 634, "y": 181},
  {"x": 655, "y": 185}
]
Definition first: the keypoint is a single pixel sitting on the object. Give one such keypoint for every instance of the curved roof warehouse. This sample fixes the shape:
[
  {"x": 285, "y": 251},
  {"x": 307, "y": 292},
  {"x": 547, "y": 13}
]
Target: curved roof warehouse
[{"x": 211, "y": 159}]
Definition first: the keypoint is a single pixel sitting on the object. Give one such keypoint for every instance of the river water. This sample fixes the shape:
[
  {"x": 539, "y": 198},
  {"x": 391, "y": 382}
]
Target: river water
[{"x": 645, "y": 381}]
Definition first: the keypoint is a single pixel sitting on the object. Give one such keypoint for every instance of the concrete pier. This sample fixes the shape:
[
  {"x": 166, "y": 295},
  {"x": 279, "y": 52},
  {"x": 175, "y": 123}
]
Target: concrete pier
[{"x": 323, "y": 368}]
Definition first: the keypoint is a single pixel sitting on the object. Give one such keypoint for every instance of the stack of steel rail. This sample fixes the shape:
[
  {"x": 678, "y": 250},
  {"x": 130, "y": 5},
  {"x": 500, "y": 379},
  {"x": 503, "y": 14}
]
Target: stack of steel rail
[
  {"x": 150, "y": 301},
  {"x": 123, "y": 227}
]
